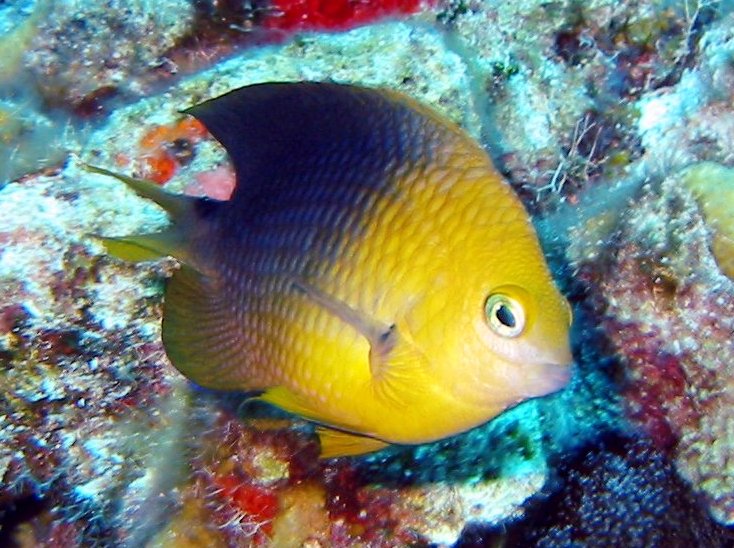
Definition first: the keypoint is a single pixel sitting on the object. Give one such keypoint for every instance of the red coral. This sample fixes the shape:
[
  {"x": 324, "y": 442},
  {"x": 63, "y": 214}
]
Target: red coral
[
  {"x": 10, "y": 315},
  {"x": 667, "y": 312},
  {"x": 293, "y": 15},
  {"x": 258, "y": 504},
  {"x": 656, "y": 388},
  {"x": 361, "y": 510},
  {"x": 159, "y": 167}
]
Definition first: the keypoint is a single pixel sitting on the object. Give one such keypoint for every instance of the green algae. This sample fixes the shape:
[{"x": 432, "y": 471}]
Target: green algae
[{"x": 713, "y": 187}]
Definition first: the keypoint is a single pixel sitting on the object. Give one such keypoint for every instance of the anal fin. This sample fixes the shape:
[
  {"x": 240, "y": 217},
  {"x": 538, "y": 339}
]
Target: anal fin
[{"x": 336, "y": 443}]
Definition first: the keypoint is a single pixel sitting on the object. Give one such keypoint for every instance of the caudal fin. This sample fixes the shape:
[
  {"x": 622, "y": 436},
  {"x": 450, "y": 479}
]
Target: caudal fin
[{"x": 174, "y": 241}]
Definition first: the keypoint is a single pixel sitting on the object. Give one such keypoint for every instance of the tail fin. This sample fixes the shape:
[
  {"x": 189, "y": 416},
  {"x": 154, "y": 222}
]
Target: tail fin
[
  {"x": 146, "y": 247},
  {"x": 177, "y": 206}
]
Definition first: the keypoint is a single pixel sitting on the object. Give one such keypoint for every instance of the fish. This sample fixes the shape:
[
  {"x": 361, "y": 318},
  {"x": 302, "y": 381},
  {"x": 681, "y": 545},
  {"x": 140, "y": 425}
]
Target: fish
[{"x": 372, "y": 271}]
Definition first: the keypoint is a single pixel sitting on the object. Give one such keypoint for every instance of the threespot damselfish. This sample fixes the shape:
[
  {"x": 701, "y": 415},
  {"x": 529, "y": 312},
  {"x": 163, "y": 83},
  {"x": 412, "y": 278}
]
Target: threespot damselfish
[{"x": 372, "y": 271}]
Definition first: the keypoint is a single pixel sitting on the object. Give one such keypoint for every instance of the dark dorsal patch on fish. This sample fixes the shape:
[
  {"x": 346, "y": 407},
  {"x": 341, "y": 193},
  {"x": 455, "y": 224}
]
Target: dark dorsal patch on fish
[{"x": 276, "y": 132}]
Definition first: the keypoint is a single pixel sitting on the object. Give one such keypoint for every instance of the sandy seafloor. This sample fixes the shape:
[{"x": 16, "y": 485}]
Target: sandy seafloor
[{"x": 613, "y": 121}]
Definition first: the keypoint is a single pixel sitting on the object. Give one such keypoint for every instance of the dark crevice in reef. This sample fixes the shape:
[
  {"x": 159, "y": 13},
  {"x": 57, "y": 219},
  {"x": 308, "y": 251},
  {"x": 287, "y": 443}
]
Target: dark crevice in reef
[{"x": 15, "y": 513}]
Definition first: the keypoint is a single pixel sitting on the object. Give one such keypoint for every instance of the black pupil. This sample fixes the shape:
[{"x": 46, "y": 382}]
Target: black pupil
[{"x": 505, "y": 316}]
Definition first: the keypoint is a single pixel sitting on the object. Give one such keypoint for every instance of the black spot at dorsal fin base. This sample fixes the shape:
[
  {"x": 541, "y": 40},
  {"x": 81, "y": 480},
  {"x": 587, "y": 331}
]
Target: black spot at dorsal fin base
[{"x": 272, "y": 129}]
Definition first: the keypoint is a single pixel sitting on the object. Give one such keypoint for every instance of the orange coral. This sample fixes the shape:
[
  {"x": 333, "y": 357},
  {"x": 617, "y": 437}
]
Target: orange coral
[
  {"x": 186, "y": 128},
  {"x": 164, "y": 148},
  {"x": 159, "y": 167}
]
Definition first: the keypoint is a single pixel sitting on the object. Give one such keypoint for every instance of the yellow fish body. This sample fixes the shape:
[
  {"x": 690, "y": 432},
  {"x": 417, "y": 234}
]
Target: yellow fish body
[{"x": 372, "y": 271}]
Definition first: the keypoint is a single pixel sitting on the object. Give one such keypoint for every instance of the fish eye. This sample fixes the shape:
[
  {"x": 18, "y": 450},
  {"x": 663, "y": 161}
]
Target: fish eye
[{"x": 505, "y": 315}]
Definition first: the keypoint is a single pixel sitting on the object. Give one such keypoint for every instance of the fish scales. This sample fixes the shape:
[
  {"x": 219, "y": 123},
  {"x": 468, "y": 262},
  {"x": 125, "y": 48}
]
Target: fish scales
[
  {"x": 371, "y": 272},
  {"x": 312, "y": 221}
]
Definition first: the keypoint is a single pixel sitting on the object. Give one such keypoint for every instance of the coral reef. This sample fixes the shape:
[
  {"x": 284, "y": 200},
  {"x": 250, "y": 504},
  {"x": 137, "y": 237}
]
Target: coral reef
[
  {"x": 563, "y": 81},
  {"x": 667, "y": 309},
  {"x": 86, "y": 52},
  {"x": 713, "y": 187},
  {"x": 75, "y": 375},
  {"x": 616, "y": 492},
  {"x": 260, "y": 481},
  {"x": 656, "y": 275},
  {"x": 583, "y": 106}
]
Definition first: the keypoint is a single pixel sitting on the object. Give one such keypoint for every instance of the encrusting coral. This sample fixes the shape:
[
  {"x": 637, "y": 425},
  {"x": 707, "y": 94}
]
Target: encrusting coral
[
  {"x": 616, "y": 491},
  {"x": 668, "y": 311},
  {"x": 713, "y": 187}
]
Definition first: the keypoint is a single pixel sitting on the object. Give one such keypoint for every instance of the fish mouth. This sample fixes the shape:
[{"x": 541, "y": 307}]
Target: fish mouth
[{"x": 547, "y": 378}]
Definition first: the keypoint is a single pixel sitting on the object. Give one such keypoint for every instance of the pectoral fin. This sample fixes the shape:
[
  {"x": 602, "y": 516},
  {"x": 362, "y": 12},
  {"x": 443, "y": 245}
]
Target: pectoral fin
[
  {"x": 397, "y": 366},
  {"x": 379, "y": 334},
  {"x": 401, "y": 375},
  {"x": 335, "y": 443}
]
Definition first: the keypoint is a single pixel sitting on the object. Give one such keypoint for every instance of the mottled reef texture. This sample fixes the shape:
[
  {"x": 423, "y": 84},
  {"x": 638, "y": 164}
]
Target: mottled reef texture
[
  {"x": 598, "y": 112},
  {"x": 615, "y": 492}
]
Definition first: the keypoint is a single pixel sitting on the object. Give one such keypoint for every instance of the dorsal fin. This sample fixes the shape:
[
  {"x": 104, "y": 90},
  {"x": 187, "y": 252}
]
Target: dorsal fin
[{"x": 271, "y": 131}]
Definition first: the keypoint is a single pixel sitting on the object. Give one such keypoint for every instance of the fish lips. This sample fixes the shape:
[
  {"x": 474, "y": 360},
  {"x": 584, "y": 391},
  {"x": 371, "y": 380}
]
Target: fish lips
[{"x": 546, "y": 378}]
